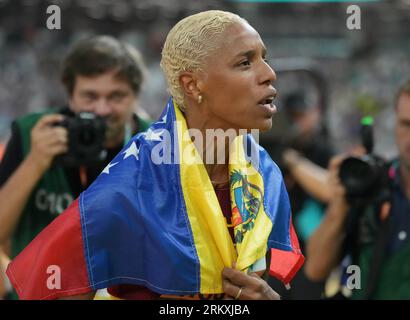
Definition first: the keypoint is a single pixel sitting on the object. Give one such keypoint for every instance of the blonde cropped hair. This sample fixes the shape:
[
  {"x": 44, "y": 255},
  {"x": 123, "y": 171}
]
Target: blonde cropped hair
[{"x": 189, "y": 43}]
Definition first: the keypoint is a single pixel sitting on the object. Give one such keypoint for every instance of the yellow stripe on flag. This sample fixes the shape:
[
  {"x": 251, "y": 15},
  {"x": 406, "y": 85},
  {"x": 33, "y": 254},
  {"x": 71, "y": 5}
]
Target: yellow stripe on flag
[{"x": 213, "y": 242}]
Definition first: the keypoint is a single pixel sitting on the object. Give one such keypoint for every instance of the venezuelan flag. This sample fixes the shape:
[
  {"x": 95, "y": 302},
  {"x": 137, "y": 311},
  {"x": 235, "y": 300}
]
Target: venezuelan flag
[{"x": 152, "y": 219}]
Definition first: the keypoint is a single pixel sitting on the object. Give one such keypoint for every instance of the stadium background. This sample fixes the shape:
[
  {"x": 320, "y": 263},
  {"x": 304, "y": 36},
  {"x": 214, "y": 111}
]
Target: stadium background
[{"x": 361, "y": 68}]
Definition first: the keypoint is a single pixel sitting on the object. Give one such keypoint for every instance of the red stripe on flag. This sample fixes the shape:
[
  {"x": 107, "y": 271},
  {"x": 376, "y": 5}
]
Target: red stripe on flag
[
  {"x": 53, "y": 264},
  {"x": 285, "y": 264}
]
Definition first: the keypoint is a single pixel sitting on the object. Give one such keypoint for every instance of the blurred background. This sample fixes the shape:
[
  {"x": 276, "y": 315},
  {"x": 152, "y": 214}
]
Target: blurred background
[
  {"x": 321, "y": 65},
  {"x": 360, "y": 68}
]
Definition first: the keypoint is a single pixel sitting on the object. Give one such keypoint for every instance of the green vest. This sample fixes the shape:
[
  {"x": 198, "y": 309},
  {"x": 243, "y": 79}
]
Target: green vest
[
  {"x": 49, "y": 198},
  {"x": 394, "y": 278}
]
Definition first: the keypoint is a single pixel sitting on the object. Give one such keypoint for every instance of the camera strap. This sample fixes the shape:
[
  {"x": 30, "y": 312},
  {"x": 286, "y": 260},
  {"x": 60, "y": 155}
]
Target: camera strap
[
  {"x": 378, "y": 254},
  {"x": 383, "y": 235},
  {"x": 83, "y": 176}
]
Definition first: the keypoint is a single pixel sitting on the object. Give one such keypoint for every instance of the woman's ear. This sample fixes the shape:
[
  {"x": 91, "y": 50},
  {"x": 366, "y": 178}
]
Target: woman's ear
[{"x": 190, "y": 85}]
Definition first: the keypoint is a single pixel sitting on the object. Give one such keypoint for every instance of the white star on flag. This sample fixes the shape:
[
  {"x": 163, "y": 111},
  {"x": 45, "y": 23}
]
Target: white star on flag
[
  {"x": 108, "y": 167},
  {"x": 132, "y": 151},
  {"x": 153, "y": 136},
  {"x": 164, "y": 119}
]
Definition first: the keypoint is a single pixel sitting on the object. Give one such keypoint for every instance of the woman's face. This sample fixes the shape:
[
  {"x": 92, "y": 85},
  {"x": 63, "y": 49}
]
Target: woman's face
[{"x": 237, "y": 82}]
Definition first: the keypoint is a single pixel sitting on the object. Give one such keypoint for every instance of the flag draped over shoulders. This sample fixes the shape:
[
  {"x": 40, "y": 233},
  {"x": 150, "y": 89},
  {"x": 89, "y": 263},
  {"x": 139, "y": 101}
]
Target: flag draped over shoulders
[{"x": 152, "y": 219}]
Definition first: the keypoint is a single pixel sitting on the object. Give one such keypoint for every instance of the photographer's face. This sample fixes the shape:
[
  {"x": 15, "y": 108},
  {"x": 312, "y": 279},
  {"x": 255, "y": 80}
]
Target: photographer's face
[
  {"x": 403, "y": 128},
  {"x": 107, "y": 96}
]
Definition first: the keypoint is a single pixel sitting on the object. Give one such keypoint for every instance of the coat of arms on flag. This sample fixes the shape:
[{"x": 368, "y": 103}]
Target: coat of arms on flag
[{"x": 246, "y": 202}]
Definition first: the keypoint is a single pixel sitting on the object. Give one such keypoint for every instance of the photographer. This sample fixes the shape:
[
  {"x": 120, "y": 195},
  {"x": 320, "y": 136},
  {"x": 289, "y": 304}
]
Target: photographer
[
  {"x": 306, "y": 155},
  {"x": 102, "y": 77},
  {"x": 379, "y": 243}
]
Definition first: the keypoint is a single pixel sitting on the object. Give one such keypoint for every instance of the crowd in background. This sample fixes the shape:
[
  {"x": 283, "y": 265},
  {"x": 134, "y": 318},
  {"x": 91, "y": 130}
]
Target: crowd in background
[
  {"x": 361, "y": 67},
  {"x": 359, "y": 71}
]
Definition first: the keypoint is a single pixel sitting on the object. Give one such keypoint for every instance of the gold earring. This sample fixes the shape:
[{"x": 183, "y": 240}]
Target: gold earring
[{"x": 200, "y": 99}]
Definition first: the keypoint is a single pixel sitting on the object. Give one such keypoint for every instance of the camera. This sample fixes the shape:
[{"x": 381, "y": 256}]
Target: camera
[
  {"x": 366, "y": 178},
  {"x": 86, "y": 136}
]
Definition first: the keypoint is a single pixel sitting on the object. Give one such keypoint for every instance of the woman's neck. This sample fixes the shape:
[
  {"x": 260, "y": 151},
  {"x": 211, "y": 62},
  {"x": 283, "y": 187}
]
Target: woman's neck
[{"x": 214, "y": 145}]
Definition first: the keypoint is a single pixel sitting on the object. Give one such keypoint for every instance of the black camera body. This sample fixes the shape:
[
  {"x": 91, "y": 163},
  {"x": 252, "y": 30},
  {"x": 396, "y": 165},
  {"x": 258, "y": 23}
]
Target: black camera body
[
  {"x": 366, "y": 178},
  {"x": 86, "y": 136}
]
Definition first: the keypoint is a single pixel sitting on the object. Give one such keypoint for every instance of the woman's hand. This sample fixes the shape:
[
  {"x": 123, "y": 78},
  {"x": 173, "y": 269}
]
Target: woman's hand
[{"x": 241, "y": 286}]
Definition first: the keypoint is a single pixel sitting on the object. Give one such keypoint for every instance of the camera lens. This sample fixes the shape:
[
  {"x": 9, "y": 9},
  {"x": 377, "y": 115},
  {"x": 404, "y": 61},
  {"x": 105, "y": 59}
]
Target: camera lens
[
  {"x": 86, "y": 135},
  {"x": 358, "y": 176}
]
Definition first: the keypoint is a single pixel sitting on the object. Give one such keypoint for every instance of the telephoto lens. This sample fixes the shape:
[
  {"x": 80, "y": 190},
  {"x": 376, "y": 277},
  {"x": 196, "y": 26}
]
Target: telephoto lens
[{"x": 363, "y": 177}]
